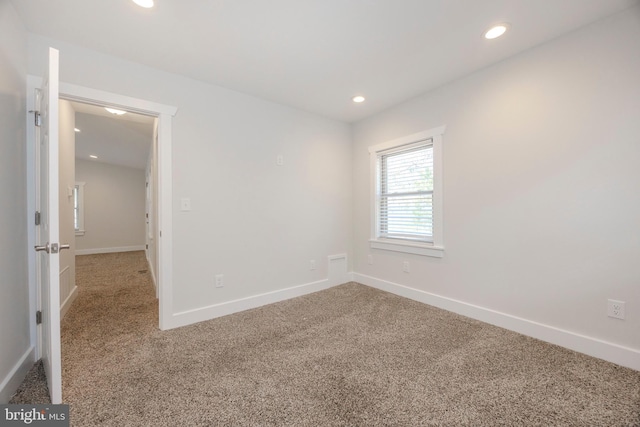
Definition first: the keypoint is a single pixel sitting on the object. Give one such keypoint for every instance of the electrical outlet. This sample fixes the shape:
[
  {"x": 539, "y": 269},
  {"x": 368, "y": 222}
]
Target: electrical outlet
[
  {"x": 615, "y": 309},
  {"x": 312, "y": 264},
  {"x": 405, "y": 267},
  {"x": 219, "y": 280},
  {"x": 280, "y": 160},
  {"x": 370, "y": 259}
]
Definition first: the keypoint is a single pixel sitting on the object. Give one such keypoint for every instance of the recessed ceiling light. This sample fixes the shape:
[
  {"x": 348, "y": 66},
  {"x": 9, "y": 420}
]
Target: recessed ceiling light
[
  {"x": 144, "y": 3},
  {"x": 114, "y": 111},
  {"x": 496, "y": 31},
  {"x": 76, "y": 129},
  {"x": 93, "y": 157},
  {"x": 358, "y": 99}
]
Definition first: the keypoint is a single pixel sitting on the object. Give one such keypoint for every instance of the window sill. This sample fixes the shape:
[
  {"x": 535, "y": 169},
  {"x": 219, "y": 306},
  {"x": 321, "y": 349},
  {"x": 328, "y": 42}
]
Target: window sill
[
  {"x": 79, "y": 232},
  {"x": 424, "y": 249}
]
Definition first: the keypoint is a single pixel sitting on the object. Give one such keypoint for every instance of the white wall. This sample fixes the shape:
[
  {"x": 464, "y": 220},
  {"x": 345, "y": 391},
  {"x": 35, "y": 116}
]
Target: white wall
[
  {"x": 541, "y": 185},
  {"x": 67, "y": 157},
  {"x": 114, "y": 207},
  {"x": 257, "y": 223},
  {"x": 15, "y": 347}
]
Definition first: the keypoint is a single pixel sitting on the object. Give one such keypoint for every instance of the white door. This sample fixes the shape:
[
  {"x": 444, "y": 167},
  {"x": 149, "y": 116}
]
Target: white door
[{"x": 47, "y": 234}]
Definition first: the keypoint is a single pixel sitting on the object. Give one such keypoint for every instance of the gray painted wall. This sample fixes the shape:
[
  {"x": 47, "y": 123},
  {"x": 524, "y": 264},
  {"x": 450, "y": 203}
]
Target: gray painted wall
[
  {"x": 257, "y": 223},
  {"x": 114, "y": 206},
  {"x": 541, "y": 184},
  {"x": 14, "y": 305}
]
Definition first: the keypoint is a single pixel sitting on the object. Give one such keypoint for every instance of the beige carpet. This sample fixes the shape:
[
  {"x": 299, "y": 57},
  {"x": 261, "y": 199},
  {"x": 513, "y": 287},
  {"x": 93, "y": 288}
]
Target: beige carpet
[
  {"x": 347, "y": 356},
  {"x": 34, "y": 389}
]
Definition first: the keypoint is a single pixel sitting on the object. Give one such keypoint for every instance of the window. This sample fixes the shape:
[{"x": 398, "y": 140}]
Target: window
[
  {"x": 78, "y": 208},
  {"x": 407, "y": 194},
  {"x": 405, "y": 202}
]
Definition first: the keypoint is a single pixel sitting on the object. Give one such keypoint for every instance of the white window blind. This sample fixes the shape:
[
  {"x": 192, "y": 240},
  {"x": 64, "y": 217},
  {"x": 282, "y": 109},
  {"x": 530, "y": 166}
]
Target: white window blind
[{"x": 405, "y": 209}]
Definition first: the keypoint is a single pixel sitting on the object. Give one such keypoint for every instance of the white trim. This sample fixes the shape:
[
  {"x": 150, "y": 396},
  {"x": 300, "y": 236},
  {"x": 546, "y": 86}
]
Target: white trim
[
  {"x": 408, "y": 247},
  {"x": 409, "y": 139},
  {"x": 66, "y": 305},
  {"x": 608, "y": 351},
  {"x": 337, "y": 275},
  {"x": 109, "y": 250},
  {"x": 164, "y": 113},
  {"x": 438, "y": 186},
  {"x": 436, "y": 249},
  {"x": 225, "y": 308},
  {"x": 94, "y": 96},
  {"x": 15, "y": 377},
  {"x": 164, "y": 225}
]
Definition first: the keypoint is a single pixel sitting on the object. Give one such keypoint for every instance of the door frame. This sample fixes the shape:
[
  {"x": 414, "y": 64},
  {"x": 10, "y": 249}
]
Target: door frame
[{"x": 164, "y": 230}]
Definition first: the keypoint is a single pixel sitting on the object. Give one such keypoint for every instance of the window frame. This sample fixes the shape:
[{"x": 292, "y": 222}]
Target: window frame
[
  {"x": 80, "y": 192},
  {"x": 435, "y": 248}
]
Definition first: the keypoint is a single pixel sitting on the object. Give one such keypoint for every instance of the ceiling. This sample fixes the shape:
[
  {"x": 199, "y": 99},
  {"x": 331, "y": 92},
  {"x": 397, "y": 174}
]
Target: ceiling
[
  {"x": 121, "y": 140},
  {"x": 314, "y": 55}
]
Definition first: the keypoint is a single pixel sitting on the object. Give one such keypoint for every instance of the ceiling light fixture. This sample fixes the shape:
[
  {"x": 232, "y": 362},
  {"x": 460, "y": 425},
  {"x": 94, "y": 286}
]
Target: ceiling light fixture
[
  {"x": 358, "y": 99},
  {"x": 144, "y": 3},
  {"x": 496, "y": 31},
  {"x": 76, "y": 129},
  {"x": 93, "y": 156},
  {"x": 114, "y": 111}
]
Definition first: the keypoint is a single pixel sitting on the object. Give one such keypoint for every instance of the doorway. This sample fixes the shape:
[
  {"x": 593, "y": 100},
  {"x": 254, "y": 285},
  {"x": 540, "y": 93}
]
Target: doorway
[
  {"x": 114, "y": 157},
  {"x": 163, "y": 115},
  {"x": 105, "y": 162}
]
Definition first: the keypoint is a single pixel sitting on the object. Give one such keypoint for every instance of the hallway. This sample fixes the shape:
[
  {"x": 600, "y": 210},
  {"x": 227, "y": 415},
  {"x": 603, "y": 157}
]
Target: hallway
[{"x": 115, "y": 307}]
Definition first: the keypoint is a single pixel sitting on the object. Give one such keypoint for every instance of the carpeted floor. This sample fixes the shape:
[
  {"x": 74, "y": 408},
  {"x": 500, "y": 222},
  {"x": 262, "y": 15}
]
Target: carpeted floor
[
  {"x": 33, "y": 389},
  {"x": 347, "y": 356}
]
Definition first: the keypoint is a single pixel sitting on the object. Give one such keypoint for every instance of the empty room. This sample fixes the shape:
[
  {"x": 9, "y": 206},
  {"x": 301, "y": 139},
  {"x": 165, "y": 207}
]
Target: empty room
[{"x": 350, "y": 213}]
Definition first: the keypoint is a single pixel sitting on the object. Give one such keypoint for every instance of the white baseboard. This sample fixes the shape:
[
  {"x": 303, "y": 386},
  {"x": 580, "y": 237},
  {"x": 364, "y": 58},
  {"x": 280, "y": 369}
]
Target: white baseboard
[
  {"x": 109, "y": 250},
  {"x": 12, "y": 381},
  {"x": 614, "y": 353},
  {"x": 68, "y": 301},
  {"x": 336, "y": 272},
  {"x": 225, "y": 308}
]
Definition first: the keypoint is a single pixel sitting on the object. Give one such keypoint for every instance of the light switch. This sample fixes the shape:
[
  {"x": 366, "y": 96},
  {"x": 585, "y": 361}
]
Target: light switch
[{"x": 185, "y": 204}]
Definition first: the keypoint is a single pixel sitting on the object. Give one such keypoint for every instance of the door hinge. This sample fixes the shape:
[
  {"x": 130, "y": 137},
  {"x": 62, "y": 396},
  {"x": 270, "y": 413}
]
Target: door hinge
[
  {"x": 146, "y": 246},
  {"x": 37, "y": 218},
  {"x": 38, "y": 317},
  {"x": 36, "y": 117}
]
